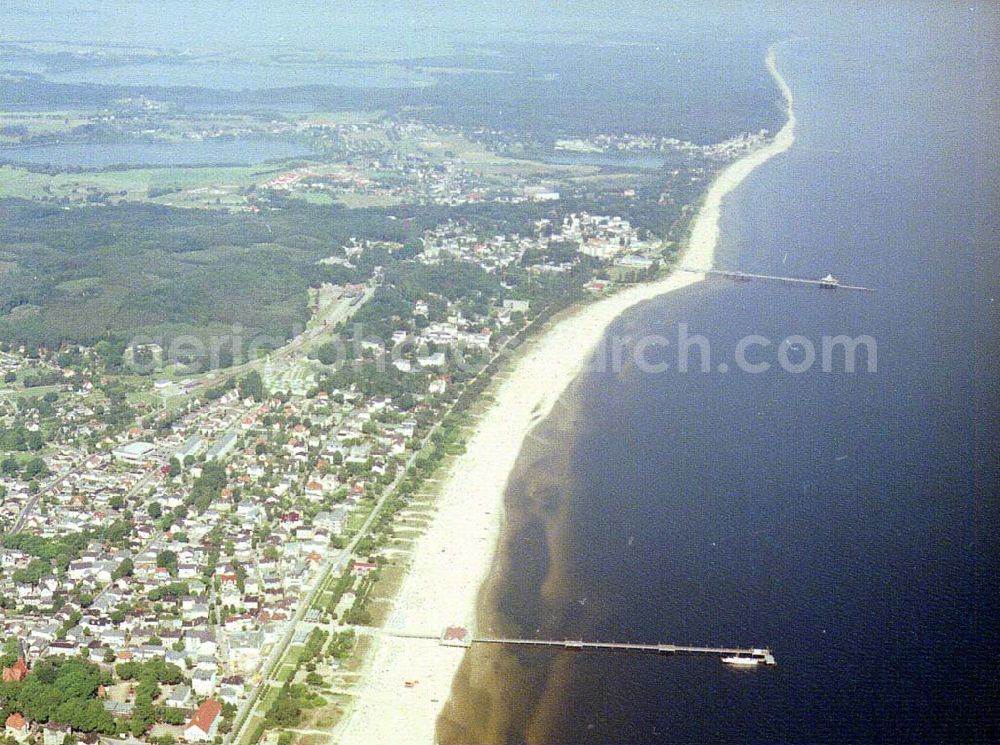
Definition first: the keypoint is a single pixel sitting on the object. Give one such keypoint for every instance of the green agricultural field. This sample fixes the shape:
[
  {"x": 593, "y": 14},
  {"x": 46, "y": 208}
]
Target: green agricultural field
[
  {"x": 368, "y": 200},
  {"x": 485, "y": 162},
  {"x": 182, "y": 187},
  {"x": 41, "y": 123},
  {"x": 18, "y": 182}
]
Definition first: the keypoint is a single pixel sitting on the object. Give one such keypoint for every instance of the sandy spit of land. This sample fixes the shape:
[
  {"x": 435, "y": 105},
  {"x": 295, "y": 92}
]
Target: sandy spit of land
[{"x": 454, "y": 557}]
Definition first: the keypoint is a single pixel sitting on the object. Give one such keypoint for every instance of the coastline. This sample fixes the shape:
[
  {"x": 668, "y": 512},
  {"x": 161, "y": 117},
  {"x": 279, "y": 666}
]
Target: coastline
[{"x": 454, "y": 557}]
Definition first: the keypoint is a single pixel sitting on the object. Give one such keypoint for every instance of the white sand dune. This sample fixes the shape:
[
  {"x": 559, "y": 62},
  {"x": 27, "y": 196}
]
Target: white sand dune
[{"x": 454, "y": 557}]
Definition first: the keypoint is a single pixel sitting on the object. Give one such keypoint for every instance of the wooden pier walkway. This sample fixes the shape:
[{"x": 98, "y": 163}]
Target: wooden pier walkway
[
  {"x": 456, "y": 636},
  {"x": 826, "y": 282},
  {"x": 761, "y": 653}
]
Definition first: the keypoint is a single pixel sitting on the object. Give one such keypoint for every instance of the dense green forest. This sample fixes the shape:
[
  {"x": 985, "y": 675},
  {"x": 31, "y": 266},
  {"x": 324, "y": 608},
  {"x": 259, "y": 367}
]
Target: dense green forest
[{"x": 114, "y": 272}]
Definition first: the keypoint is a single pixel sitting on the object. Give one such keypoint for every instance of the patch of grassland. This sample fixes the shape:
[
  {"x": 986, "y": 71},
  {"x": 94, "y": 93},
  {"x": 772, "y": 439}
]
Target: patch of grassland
[{"x": 208, "y": 186}]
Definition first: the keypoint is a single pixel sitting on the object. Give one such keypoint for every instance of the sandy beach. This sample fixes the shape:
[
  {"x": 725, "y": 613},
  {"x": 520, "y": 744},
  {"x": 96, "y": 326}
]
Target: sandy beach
[{"x": 452, "y": 560}]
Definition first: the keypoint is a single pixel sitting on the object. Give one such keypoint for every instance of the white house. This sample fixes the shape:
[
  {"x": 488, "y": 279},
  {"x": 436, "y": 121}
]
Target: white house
[{"x": 205, "y": 723}]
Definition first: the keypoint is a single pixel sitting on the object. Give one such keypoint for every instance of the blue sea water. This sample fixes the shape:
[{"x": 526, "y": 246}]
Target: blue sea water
[
  {"x": 613, "y": 160},
  {"x": 848, "y": 521}
]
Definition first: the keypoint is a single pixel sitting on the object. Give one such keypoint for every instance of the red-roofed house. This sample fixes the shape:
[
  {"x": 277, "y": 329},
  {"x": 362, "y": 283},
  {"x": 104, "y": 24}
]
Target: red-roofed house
[
  {"x": 17, "y": 727},
  {"x": 16, "y": 672},
  {"x": 456, "y": 636},
  {"x": 204, "y": 723}
]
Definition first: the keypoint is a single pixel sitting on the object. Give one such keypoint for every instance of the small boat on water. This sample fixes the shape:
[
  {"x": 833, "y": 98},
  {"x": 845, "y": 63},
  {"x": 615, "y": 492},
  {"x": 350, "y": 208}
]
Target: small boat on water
[
  {"x": 742, "y": 661},
  {"x": 756, "y": 657},
  {"x": 829, "y": 282}
]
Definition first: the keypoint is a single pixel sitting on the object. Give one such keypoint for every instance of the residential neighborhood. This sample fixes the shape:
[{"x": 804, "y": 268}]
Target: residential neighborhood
[{"x": 194, "y": 535}]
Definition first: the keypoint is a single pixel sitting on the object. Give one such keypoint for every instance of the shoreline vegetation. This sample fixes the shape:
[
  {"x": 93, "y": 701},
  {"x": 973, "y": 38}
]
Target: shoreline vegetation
[{"x": 454, "y": 558}]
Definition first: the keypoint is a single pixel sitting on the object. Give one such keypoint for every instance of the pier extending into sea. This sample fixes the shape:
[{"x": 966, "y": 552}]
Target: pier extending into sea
[
  {"x": 762, "y": 654},
  {"x": 827, "y": 282},
  {"x": 457, "y": 636}
]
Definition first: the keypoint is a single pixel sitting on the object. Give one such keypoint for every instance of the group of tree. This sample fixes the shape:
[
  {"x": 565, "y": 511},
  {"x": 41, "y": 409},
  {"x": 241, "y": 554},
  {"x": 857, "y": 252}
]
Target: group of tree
[
  {"x": 20, "y": 438},
  {"x": 148, "y": 676},
  {"x": 61, "y": 690},
  {"x": 61, "y": 549},
  {"x": 167, "y": 559},
  {"x": 286, "y": 711},
  {"x": 252, "y": 386},
  {"x": 171, "y": 589},
  {"x": 208, "y": 486},
  {"x": 32, "y": 468}
]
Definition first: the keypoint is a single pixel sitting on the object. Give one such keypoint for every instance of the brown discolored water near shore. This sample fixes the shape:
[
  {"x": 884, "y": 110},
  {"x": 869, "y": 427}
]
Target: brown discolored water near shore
[
  {"x": 515, "y": 694},
  {"x": 529, "y": 594},
  {"x": 507, "y": 694}
]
